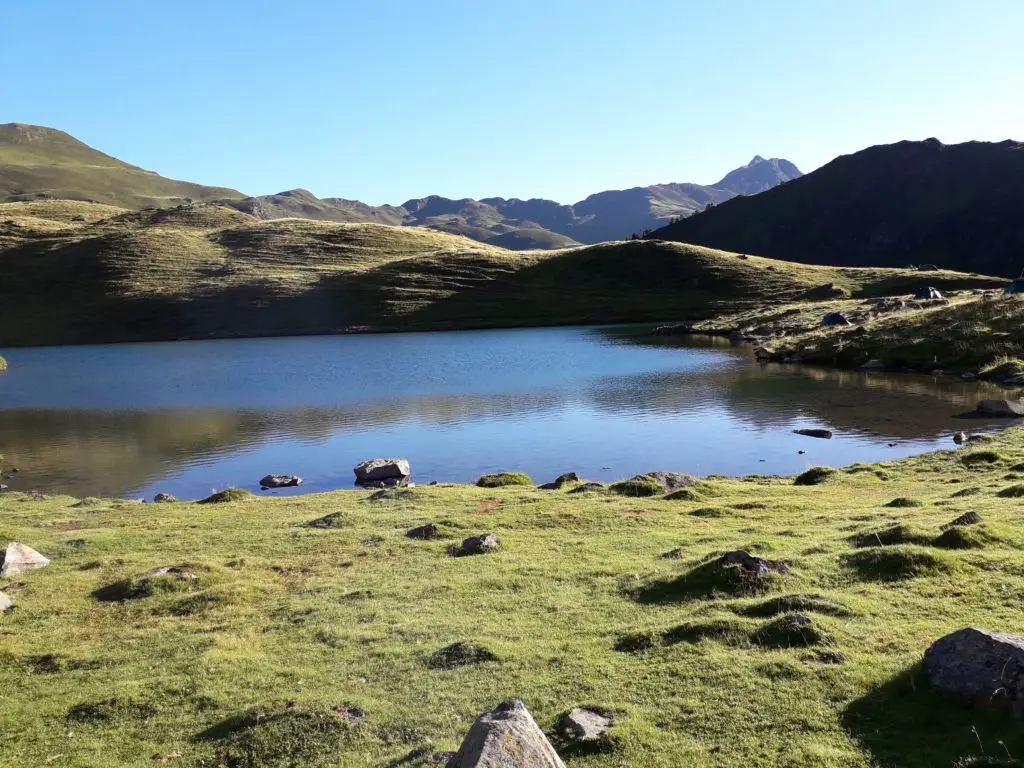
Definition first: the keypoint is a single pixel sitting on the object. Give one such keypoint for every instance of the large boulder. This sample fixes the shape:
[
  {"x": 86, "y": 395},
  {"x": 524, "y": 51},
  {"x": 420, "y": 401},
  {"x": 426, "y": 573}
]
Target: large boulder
[
  {"x": 985, "y": 666},
  {"x": 280, "y": 481},
  {"x": 381, "y": 472},
  {"x": 483, "y": 544},
  {"x": 507, "y": 737},
  {"x": 19, "y": 558},
  {"x": 1003, "y": 408}
]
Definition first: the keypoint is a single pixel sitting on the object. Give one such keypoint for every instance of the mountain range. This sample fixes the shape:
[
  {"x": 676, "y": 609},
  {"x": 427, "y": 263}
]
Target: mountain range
[
  {"x": 956, "y": 206},
  {"x": 43, "y": 163}
]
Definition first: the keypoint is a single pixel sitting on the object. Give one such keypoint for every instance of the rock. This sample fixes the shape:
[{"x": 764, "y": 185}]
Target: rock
[
  {"x": 927, "y": 293},
  {"x": 1002, "y": 408},
  {"x": 825, "y": 434},
  {"x": 556, "y": 485},
  {"x": 441, "y": 758},
  {"x": 968, "y": 376},
  {"x": 382, "y": 471},
  {"x": 584, "y": 724},
  {"x": 280, "y": 481},
  {"x": 507, "y": 737},
  {"x": 874, "y": 365},
  {"x": 477, "y": 545},
  {"x": 960, "y": 437},
  {"x": 20, "y": 559},
  {"x": 5, "y": 602},
  {"x": 391, "y": 494},
  {"x": 333, "y": 520},
  {"x": 587, "y": 487},
  {"x": 938, "y": 372},
  {"x": 3, "y": 487},
  {"x": 985, "y": 666},
  {"x": 751, "y": 565},
  {"x": 164, "y": 498},
  {"x": 424, "y": 532},
  {"x": 967, "y": 518},
  {"x": 833, "y": 319}
]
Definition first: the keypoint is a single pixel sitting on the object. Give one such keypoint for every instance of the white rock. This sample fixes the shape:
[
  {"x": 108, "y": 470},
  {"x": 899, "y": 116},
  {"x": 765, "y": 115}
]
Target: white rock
[{"x": 18, "y": 559}]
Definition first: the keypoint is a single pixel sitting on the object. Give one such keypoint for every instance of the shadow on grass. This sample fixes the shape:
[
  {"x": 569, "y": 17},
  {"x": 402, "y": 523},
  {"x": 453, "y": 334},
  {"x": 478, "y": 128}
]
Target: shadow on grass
[{"x": 906, "y": 723}]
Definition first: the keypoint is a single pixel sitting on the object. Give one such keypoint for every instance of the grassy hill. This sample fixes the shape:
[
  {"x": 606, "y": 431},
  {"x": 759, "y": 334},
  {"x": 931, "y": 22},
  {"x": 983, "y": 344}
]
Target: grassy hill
[
  {"x": 205, "y": 271},
  {"x": 297, "y": 646},
  {"x": 38, "y": 163},
  {"x": 913, "y": 202}
]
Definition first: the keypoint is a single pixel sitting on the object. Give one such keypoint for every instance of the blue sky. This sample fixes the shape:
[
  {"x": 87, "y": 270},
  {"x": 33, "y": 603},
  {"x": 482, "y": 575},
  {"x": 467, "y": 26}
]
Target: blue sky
[{"x": 384, "y": 101}]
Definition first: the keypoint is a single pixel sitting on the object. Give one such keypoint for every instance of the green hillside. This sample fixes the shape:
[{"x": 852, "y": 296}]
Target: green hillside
[
  {"x": 204, "y": 271},
  {"x": 38, "y": 163}
]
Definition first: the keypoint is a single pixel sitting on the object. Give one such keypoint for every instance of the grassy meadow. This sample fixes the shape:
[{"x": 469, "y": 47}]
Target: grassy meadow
[{"x": 299, "y": 645}]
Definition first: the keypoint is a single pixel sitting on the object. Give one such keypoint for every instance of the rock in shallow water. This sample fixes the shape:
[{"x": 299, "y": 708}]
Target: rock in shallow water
[
  {"x": 383, "y": 471},
  {"x": 280, "y": 481}
]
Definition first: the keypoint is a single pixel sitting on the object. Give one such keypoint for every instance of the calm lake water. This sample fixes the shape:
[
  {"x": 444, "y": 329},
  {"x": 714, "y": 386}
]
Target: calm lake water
[{"x": 188, "y": 417}]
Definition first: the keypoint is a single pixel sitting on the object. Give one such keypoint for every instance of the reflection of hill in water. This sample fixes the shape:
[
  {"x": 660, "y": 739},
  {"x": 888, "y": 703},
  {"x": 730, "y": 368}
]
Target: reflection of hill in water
[{"x": 111, "y": 453}]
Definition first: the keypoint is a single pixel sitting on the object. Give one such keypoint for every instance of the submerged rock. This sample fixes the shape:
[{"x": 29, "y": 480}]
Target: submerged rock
[
  {"x": 985, "y": 666},
  {"x": 825, "y": 434},
  {"x": 20, "y": 558},
  {"x": 381, "y": 472},
  {"x": 280, "y": 481},
  {"x": 507, "y": 737}
]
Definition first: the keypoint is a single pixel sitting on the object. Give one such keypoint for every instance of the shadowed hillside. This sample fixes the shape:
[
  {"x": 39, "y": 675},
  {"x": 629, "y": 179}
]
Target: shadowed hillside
[
  {"x": 207, "y": 271},
  {"x": 956, "y": 206},
  {"x": 39, "y": 163}
]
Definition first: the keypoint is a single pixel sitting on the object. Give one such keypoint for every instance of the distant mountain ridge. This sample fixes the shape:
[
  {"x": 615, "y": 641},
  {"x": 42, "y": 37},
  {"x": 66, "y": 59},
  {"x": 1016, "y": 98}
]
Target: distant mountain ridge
[
  {"x": 956, "y": 206},
  {"x": 537, "y": 223},
  {"x": 38, "y": 163}
]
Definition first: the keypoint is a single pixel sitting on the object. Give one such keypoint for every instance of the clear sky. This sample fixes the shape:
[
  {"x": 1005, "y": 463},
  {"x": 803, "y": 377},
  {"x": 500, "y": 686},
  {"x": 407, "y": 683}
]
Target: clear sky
[{"x": 384, "y": 101}]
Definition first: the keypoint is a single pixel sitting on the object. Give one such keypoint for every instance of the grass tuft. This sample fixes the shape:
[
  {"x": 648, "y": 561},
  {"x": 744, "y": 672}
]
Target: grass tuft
[
  {"x": 896, "y": 563},
  {"x": 227, "y": 495},
  {"x": 504, "y": 479},
  {"x": 638, "y": 486},
  {"x": 816, "y": 476}
]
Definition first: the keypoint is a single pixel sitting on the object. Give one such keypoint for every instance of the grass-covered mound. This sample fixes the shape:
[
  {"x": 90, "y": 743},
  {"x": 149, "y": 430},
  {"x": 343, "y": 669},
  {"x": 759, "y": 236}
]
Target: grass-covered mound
[
  {"x": 503, "y": 479},
  {"x": 353, "y": 644}
]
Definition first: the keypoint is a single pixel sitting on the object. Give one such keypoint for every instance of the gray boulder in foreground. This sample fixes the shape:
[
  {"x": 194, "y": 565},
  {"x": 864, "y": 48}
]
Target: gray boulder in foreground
[
  {"x": 507, "y": 737},
  {"x": 985, "y": 666},
  {"x": 1004, "y": 408},
  {"x": 382, "y": 470},
  {"x": 19, "y": 558}
]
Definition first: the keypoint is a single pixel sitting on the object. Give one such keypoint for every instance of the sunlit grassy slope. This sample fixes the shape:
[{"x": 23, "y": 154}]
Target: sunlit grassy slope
[
  {"x": 593, "y": 599},
  {"x": 210, "y": 271},
  {"x": 39, "y": 163}
]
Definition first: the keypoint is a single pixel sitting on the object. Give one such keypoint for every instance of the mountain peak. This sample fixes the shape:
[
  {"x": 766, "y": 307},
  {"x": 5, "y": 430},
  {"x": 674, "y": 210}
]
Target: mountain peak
[{"x": 759, "y": 175}]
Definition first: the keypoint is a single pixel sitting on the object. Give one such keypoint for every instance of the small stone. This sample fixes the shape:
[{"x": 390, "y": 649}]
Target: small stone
[
  {"x": 20, "y": 559},
  {"x": 164, "y": 498},
  {"x": 333, "y": 520},
  {"x": 177, "y": 572},
  {"x": 354, "y": 715},
  {"x": 5, "y": 602},
  {"x": 960, "y": 437},
  {"x": 757, "y": 566},
  {"x": 587, "y": 488},
  {"x": 460, "y": 655},
  {"x": 483, "y": 544},
  {"x": 584, "y": 724},
  {"x": 441, "y": 758}
]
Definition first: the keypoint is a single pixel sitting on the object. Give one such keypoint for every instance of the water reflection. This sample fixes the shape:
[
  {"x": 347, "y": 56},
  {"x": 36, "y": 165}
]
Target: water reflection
[{"x": 186, "y": 418}]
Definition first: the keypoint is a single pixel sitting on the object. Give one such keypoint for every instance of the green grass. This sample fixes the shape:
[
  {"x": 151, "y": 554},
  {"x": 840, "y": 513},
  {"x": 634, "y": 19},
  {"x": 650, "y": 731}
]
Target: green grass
[
  {"x": 3, "y": 364},
  {"x": 580, "y": 607},
  {"x": 503, "y": 479}
]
